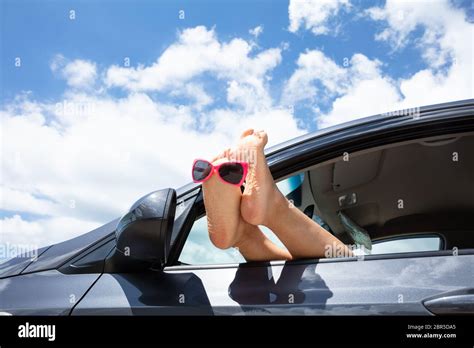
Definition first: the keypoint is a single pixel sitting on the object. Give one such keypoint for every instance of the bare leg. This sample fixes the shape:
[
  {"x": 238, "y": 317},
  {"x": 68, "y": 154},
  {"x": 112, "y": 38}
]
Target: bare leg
[
  {"x": 226, "y": 226},
  {"x": 263, "y": 204},
  {"x": 303, "y": 237},
  {"x": 255, "y": 246}
]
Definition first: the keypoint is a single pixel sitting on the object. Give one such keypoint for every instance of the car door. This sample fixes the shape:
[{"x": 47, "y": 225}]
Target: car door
[
  {"x": 209, "y": 281},
  {"x": 408, "y": 280},
  {"x": 411, "y": 285},
  {"x": 49, "y": 281}
]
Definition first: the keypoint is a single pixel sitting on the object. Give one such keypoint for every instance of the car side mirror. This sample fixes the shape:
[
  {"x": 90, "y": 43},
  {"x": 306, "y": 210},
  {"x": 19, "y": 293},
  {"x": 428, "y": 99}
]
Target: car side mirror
[{"x": 143, "y": 234}]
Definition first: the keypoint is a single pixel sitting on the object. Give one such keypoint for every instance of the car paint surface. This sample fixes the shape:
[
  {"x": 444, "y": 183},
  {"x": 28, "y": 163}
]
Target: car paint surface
[
  {"x": 43, "y": 293},
  {"x": 363, "y": 287}
]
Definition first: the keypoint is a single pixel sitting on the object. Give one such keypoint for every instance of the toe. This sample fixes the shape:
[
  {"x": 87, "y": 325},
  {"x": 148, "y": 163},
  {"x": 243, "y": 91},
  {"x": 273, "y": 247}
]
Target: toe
[
  {"x": 220, "y": 160},
  {"x": 262, "y": 135},
  {"x": 223, "y": 154},
  {"x": 246, "y": 132},
  {"x": 228, "y": 153}
]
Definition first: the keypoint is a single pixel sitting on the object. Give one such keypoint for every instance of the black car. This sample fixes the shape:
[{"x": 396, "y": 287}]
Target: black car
[{"x": 404, "y": 178}]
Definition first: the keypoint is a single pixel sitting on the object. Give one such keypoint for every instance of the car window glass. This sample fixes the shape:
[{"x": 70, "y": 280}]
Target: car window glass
[
  {"x": 291, "y": 184},
  {"x": 408, "y": 244}
]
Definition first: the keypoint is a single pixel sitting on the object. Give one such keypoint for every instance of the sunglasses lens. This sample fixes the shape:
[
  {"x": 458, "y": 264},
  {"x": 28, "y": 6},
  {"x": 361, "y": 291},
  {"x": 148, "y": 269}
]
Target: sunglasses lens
[
  {"x": 201, "y": 170},
  {"x": 231, "y": 172}
]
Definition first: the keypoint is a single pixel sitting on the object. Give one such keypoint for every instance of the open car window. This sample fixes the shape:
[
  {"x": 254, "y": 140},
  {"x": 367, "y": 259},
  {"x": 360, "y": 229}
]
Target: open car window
[
  {"x": 198, "y": 249},
  {"x": 393, "y": 199}
]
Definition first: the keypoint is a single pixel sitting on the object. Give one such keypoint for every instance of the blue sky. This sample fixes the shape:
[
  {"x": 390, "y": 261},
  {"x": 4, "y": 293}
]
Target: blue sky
[
  {"x": 83, "y": 136},
  {"x": 107, "y": 31}
]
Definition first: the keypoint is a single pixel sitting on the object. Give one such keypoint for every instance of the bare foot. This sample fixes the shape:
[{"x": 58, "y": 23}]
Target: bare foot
[
  {"x": 226, "y": 226},
  {"x": 260, "y": 192},
  {"x": 222, "y": 202},
  {"x": 254, "y": 245}
]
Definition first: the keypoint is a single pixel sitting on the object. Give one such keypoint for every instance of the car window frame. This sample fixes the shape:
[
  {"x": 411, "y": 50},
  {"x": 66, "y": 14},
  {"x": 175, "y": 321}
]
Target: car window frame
[
  {"x": 366, "y": 258},
  {"x": 198, "y": 211},
  {"x": 196, "y": 198},
  {"x": 298, "y": 155}
]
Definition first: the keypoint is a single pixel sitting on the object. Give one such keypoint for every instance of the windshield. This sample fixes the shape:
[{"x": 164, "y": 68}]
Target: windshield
[{"x": 103, "y": 102}]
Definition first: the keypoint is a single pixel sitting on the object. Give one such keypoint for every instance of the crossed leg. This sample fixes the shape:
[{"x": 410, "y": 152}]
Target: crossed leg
[
  {"x": 226, "y": 226},
  {"x": 233, "y": 217}
]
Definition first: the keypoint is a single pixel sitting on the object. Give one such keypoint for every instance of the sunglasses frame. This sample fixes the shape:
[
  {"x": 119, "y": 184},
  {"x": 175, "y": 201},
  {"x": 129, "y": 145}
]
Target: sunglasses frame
[{"x": 215, "y": 169}]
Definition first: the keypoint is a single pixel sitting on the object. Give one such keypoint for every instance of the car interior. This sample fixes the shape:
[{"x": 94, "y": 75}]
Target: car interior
[
  {"x": 410, "y": 196},
  {"x": 423, "y": 186}
]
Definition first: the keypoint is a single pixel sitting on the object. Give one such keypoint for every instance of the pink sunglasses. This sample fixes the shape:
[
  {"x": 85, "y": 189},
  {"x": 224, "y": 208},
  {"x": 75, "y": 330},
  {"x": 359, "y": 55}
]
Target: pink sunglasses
[{"x": 233, "y": 173}]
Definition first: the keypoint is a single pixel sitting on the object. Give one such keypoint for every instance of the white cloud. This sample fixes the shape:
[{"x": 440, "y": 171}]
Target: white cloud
[
  {"x": 196, "y": 92},
  {"x": 362, "y": 89},
  {"x": 58, "y": 62},
  {"x": 311, "y": 66},
  {"x": 77, "y": 73},
  {"x": 256, "y": 31},
  {"x": 315, "y": 15},
  {"x": 92, "y": 166},
  {"x": 196, "y": 52},
  {"x": 364, "y": 98},
  {"x": 446, "y": 46},
  {"x": 249, "y": 96},
  {"x": 39, "y": 233},
  {"x": 355, "y": 91},
  {"x": 25, "y": 201},
  {"x": 84, "y": 159},
  {"x": 278, "y": 122},
  {"x": 444, "y": 28}
]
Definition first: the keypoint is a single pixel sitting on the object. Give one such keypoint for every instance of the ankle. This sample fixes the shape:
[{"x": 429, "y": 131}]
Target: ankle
[
  {"x": 277, "y": 208},
  {"x": 243, "y": 236}
]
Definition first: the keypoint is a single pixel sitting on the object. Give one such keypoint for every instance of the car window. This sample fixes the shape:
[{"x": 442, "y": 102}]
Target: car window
[
  {"x": 198, "y": 249},
  {"x": 407, "y": 244},
  {"x": 291, "y": 184}
]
